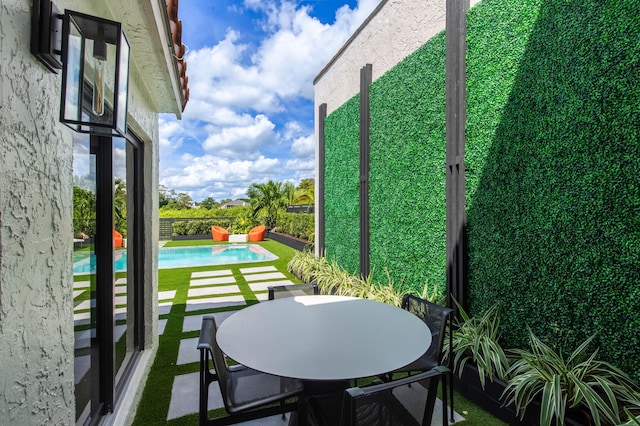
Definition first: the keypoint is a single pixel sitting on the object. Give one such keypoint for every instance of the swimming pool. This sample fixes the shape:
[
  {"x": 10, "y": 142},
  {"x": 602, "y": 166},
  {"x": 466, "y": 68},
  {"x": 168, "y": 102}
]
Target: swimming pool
[{"x": 181, "y": 257}]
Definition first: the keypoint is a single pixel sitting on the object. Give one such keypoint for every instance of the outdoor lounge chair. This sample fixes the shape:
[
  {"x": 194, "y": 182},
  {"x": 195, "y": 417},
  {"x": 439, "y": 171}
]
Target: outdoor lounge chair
[
  {"x": 291, "y": 290},
  {"x": 405, "y": 402},
  {"x": 257, "y": 233},
  {"x": 218, "y": 233},
  {"x": 247, "y": 394},
  {"x": 117, "y": 239}
]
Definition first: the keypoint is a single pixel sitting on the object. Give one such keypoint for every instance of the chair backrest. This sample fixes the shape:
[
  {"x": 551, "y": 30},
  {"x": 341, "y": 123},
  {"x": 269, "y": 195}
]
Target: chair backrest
[
  {"x": 436, "y": 318},
  {"x": 291, "y": 290},
  {"x": 208, "y": 342},
  {"x": 405, "y": 402}
]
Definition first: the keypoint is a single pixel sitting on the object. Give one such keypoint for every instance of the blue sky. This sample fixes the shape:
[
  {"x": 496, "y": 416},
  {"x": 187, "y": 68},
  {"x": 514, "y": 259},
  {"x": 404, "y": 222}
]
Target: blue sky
[{"x": 251, "y": 66}]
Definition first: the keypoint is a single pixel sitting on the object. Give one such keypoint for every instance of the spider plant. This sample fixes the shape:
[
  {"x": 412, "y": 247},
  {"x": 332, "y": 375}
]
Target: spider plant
[
  {"x": 476, "y": 339},
  {"x": 633, "y": 420},
  {"x": 578, "y": 382},
  {"x": 433, "y": 294},
  {"x": 332, "y": 279}
]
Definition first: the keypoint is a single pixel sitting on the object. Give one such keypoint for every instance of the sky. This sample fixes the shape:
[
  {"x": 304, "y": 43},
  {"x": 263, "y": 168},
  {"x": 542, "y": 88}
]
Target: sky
[{"x": 251, "y": 65}]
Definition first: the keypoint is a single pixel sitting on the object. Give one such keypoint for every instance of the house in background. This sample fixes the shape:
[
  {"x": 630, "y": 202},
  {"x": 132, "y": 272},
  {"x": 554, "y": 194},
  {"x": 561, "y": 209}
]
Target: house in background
[
  {"x": 76, "y": 346},
  {"x": 234, "y": 203}
]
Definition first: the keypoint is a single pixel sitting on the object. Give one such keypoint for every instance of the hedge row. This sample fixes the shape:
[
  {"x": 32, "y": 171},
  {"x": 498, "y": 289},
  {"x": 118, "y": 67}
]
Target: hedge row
[
  {"x": 198, "y": 227},
  {"x": 299, "y": 225}
]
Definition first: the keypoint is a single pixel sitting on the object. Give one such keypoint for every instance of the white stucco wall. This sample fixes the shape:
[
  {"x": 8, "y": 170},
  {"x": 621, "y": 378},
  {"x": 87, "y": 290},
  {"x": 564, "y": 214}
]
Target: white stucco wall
[
  {"x": 394, "y": 30},
  {"x": 36, "y": 229}
]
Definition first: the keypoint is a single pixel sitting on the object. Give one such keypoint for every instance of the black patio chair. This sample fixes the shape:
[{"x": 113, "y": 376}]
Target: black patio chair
[
  {"x": 247, "y": 394},
  {"x": 291, "y": 290},
  {"x": 408, "y": 401},
  {"x": 437, "y": 318}
]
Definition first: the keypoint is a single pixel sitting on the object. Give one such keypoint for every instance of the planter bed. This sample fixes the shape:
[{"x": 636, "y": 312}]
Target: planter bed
[
  {"x": 293, "y": 242},
  {"x": 190, "y": 237},
  {"x": 489, "y": 399}
]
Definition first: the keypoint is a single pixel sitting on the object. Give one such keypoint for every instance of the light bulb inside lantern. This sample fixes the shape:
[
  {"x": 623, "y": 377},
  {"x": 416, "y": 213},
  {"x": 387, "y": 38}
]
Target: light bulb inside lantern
[{"x": 99, "y": 62}]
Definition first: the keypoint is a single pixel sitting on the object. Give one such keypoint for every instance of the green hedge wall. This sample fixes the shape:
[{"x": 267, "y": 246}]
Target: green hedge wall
[
  {"x": 198, "y": 227},
  {"x": 300, "y": 225},
  {"x": 553, "y": 171},
  {"x": 554, "y": 221},
  {"x": 407, "y": 165},
  {"x": 342, "y": 185}
]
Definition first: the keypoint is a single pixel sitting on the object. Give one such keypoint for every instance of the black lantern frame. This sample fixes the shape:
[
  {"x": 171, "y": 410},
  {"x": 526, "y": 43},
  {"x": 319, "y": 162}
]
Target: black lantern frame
[{"x": 95, "y": 75}]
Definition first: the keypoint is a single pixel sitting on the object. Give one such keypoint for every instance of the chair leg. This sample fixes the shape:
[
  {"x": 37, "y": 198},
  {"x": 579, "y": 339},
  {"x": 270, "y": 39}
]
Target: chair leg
[
  {"x": 451, "y": 410},
  {"x": 444, "y": 400}
]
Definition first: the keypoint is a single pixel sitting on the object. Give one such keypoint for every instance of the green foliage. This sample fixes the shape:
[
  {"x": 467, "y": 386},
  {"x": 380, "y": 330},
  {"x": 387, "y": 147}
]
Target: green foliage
[
  {"x": 120, "y": 207},
  {"x": 198, "y": 227},
  {"x": 578, "y": 381},
  {"x": 84, "y": 212},
  {"x": 407, "y": 179},
  {"x": 332, "y": 279},
  {"x": 476, "y": 339},
  {"x": 552, "y": 171},
  {"x": 554, "y": 163},
  {"x": 243, "y": 222},
  {"x": 268, "y": 199},
  {"x": 300, "y": 225},
  {"x": 208, "y": 203},
  {"x": 342, "y": 183},
  {"x": 201, "y": 213}
]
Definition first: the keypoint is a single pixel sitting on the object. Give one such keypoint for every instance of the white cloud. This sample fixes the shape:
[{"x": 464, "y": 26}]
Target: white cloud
[
  {"x": 303, "y": 147},
  {"x": 217, "y": 177},
  {"x": 241, "y": 141},
  {"x": 237, "y": 112}
]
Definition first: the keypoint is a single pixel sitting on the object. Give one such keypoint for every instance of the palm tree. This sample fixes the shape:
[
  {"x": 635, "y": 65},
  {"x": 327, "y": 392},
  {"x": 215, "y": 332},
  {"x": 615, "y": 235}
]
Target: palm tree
[
  {"x": 269, "y": 198},
  {"x": 289, "y": 191}
]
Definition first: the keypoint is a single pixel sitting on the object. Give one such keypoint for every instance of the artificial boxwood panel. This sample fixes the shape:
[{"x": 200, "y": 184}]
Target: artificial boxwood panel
[
  {"x": 553, "y": 171},
  {"x": 342, "y": 185},
  {"x": 407, "y": 165},
  {"x": 554, "y": 221}
]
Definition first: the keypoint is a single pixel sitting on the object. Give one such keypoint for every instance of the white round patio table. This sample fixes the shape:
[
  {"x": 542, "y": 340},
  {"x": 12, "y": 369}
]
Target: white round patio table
[{"x": 323, "y": 337}]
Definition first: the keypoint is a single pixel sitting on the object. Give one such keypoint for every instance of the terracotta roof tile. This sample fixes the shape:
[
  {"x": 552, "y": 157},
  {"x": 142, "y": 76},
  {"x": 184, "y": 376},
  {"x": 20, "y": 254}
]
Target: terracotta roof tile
[{"x": 179, "y": 48}]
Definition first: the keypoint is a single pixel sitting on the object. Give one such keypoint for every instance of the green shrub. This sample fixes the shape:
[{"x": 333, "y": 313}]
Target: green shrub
[
  {"x": 198, "y": 227},
  {"x": 300, "y": 225}
]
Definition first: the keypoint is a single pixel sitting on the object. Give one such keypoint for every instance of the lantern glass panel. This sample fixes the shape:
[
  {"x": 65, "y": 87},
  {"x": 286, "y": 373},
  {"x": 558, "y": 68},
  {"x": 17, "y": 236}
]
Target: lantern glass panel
[{"x": 95, "y": 76}]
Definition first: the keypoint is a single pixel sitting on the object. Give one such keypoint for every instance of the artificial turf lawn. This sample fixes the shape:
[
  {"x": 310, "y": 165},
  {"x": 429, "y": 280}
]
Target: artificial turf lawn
[{"x": 156, "y": 397}]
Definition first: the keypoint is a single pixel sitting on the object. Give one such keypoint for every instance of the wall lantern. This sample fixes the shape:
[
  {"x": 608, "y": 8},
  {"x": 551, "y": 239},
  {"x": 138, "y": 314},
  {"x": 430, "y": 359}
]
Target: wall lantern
[{"x": 94, "y": 56}]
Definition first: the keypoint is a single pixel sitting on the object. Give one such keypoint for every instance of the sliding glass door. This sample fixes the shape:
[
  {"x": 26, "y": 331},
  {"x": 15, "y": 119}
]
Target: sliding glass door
[{"x": 107, "y": 280}]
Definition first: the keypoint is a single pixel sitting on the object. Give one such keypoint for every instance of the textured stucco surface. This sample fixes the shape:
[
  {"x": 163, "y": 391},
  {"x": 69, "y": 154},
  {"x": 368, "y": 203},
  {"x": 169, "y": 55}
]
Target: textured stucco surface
[
  {"x": 36, "y": 305},
  {"x": 36, "y": 209},
  {"x": 396, "y": 29}
]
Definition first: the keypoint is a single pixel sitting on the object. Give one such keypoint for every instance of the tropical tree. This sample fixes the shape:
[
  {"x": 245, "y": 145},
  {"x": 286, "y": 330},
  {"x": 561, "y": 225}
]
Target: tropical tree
[
  {"x": 305, "y": 191},
  {"x": 289, "y": 191},
  {"x": 267, "y": 198},
  {"x": 120, "y": 206},
  {"x": 208, "y": 203},
  {"x": 84, "y": 212}
]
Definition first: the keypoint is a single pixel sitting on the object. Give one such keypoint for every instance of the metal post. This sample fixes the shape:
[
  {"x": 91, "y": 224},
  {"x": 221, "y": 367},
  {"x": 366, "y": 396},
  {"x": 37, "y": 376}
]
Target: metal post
[
  {"x": 455, "y": 149},
  {"x": 366, "y": 76},
  {"x": 320, "y": 238}
]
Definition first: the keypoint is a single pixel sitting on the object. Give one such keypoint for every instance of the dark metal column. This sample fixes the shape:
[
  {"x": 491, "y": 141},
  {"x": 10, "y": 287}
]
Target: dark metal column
[
  {"x": 320, "y": 237},
  {"x": 456, "y": 118},
  {"x": 366, "y": 76},
  {"x": 105, "y": 278},
  {"x": 456, "y": 113}
]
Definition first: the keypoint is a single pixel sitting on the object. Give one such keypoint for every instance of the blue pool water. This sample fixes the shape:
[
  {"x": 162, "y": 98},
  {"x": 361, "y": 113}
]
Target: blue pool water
[{"x": 180, "y": 257}]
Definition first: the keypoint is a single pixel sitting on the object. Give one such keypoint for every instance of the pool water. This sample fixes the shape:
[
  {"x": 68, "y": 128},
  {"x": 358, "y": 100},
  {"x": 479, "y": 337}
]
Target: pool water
[{"x": 181, "y": 257}]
